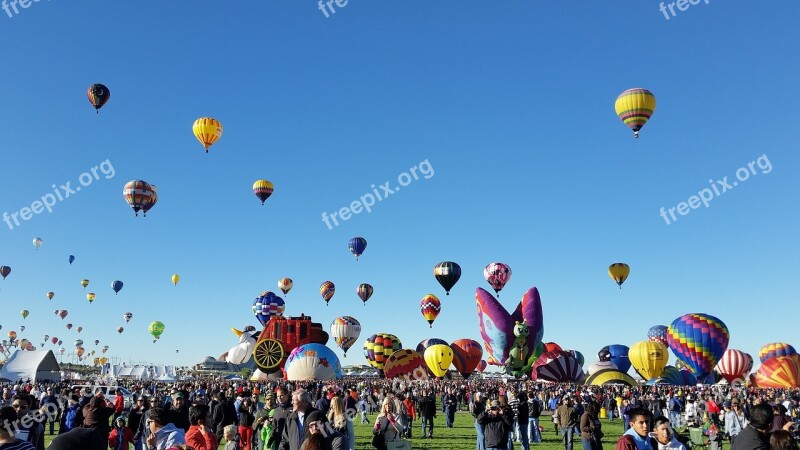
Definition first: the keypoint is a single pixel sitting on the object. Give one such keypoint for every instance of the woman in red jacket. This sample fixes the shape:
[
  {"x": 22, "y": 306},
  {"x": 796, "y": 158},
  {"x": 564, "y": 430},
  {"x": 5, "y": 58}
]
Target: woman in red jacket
[
  {"x": 121, "y": 436},
  {"x": 199, "y": 435}
]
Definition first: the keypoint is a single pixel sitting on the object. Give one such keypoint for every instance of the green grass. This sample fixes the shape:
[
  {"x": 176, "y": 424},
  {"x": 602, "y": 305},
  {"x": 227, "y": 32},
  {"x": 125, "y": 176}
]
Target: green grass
[{"x": 462, "y": 435}]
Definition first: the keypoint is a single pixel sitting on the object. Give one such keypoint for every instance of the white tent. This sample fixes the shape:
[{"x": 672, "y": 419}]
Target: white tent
[
  {"x": 36, "y": 366},
  {"x": 166, "y": 378}
]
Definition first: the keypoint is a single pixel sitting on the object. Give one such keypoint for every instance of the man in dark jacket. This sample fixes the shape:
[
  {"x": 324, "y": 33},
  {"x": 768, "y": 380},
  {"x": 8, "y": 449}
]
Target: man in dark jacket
[
  {"x": 179, "y": 412},
  {"x": 427, "y": 411},
  {"x": 223, "y": 415},
  {"x": 495, "y": 424},
  {"x": 755, "y": 436},
  {"x": 282, "y": 412},
  {"x": 295, "y": 432}
]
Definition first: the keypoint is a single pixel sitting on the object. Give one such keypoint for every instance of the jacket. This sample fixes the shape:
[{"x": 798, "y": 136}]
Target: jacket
[
  {"x": 168, "y": 436},
  {"x": 391, "y": 431},
  {"x": 290, "y": 439},
  {"x": 196, "y": 439},
  {"x": 589, "y": 427},
  {"x": 427, "y": 407},
  {"x": 124, "y": 434},
  {"x": 495, "y": 425},
  {"x": 751, "y": 439},
  {"x": 626, "y": 442}
]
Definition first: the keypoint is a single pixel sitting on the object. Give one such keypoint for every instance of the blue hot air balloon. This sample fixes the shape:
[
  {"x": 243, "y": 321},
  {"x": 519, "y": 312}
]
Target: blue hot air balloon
[
  {"x": 71, "y": 259},
  {"x": 268, "y": 305},
  {"x": 357, "y": 246},
  {"x": 116, "y": 286},
  {"x": 618, "y": 354}
]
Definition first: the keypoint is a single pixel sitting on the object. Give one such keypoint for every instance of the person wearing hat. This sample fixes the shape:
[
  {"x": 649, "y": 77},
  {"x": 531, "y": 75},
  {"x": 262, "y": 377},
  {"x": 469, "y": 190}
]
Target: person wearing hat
[
  {"x": 121, "y": 436},
  {"x": 495, "y": 423},
  {"x": 318, "y": 424},
  {"x": 179, "y": 411},
  {"x": 262, "y": 423}
]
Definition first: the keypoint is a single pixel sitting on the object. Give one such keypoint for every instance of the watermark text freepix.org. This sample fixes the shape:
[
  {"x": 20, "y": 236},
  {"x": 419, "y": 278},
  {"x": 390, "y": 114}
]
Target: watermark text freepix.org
[
  {"x": 367, "y": 201},
  {"x": 60, "y": 193},
  {"x": 9, "y": 5},
  {"x": 682, "y": 5},
  {"x": 717, "y": 188}
]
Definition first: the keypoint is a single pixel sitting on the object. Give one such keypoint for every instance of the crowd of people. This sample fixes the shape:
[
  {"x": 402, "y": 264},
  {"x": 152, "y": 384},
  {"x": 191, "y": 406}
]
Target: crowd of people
[{"x": 310, "y": 415}]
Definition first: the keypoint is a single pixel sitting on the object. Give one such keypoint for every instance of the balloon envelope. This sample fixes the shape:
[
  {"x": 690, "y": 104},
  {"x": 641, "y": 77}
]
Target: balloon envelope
[
  {"x": 313, "y": 362},
  {"x": 497, "y": 275},
  {"x": 618, "y": 354},
  {"x": 207, "y": 130},
  {"x": 467, "y": 355},
  {"x": 406, "y": 364},
  {"x": 497, "y": 325},
  {"x": 774, "y": 349},
  {"x": 345, "y": 331},
  {"x": 658, "y": 333},
  {"x": 425, "y": 343},
  {"x": 699, "y": 340},
  {"x": 326, "y": 290},
  {"x": 378, "y": 347},
  {"x": 438, "y": 359},
  {"x": 155, "y": 329},
  {"x": 263, "y": 189},
  {"x": 268, "y": 305},
  {"x": 285, "y": 285},
  {"x": 619, "y": 272},
  {"x": 557, "y": 366},
  {"x": 648, "y": 358},
  {"x": 733, "y": 365},
  {"x": 635, "y": 107},
  {"x": 357, "y": 245},
  {"x": 116, "y": 286},
  {"x": 430, "y": 307},
  {"x": 779, "y": 372},
  {"x": 364, "y": 292},
  {"x": 447, "y": 273}
]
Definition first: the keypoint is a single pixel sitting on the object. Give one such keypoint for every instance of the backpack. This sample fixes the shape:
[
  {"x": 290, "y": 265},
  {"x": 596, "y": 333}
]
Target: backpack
[{"x": 71, "y": 418}]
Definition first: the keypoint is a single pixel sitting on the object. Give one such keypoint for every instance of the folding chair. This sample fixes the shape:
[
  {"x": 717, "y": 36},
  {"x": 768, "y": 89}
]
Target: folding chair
[{"x": 698, "y": 439}]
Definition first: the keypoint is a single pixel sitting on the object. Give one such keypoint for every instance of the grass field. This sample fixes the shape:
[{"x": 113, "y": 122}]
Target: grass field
[{"x": 462, "y": 435}]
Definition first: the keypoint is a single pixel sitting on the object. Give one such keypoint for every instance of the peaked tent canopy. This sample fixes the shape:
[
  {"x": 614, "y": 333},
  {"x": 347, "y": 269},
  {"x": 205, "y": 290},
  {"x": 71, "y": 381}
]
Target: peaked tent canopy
[{"x": 34, "y": 366}]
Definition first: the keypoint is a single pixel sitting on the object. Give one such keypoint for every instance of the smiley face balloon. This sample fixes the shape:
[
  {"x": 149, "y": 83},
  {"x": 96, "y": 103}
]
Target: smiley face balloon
[{"x": 438, "y": 358}]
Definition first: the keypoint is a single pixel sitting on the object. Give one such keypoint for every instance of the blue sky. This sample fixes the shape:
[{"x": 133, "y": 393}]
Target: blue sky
[{"x": 512, "y": 105}]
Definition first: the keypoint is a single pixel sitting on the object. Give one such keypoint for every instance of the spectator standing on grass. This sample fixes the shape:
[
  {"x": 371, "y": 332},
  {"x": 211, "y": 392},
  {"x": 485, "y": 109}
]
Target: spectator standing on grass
[
  {"x": 477, "y": 407},
  {"x": 496, "y": 426},
  {"x": 663, "y": 438},
  {"x": 567, "y": 420},
  {"x": 590, "y": 428},
  {"x": 534, "y": 412},
  {"x": 7, "y": 440},
  {"x": 229, "y": 433},
  {"x": 163, "y": 434},
  {"x": 427, "y": 411}
]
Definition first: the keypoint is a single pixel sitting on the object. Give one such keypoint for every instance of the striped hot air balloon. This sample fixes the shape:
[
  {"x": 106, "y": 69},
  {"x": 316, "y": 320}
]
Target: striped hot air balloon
[
  {"x": 285, "y": 285},
  {"x": 779, "y": 372},
  {"x": 364, "y": 292},
  {"x": 138, "y": 194},
  {"x": 406, "y": 364},
  {"x": 558, "y": 367},
  {"x": 425, "y": 343},
  {"x": 378, "y": 348},
  {"x": 345, "y": 331},
  {"x": 430, "y": 306},
  {"x": 467, "y": 354},
  {"x": 699, "y": 340},
  {"x": 326, "y": 290},
  {"x": 774, "y": 349},
  {"x": 635, "y": 107},
  {"x": 207, "y": 130},
  {"x": 733, "y": 365},
  {"x": 447, "y": 273}
]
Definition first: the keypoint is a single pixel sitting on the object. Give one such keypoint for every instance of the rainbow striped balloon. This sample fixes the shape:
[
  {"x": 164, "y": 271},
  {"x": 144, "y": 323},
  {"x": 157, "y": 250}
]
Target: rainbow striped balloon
[
  {"x": 775, "y": 349},
  {"x": 699, "y": 340}
]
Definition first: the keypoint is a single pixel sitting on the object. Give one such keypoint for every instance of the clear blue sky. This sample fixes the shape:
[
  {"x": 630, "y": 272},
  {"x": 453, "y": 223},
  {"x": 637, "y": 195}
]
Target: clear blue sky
[{"x": 513, "y": 107}]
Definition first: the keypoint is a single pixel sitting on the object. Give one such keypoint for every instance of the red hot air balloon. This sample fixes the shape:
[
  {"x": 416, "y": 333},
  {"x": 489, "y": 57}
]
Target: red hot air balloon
[
  {"x": 550, "y": 346},
  {"x": 779, "y": 372},
  {"x": 430, "y": 306},
  {"x": 467, "y": 355},
  {"x": 54, "y": 340},
  {"x": 69, "y": 326},
  {"x": 733, "y": 365},
  {"x": 482, "y": 365}
]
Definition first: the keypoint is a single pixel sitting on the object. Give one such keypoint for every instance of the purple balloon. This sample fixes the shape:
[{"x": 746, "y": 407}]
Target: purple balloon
[{"x": 497, "y": 325}]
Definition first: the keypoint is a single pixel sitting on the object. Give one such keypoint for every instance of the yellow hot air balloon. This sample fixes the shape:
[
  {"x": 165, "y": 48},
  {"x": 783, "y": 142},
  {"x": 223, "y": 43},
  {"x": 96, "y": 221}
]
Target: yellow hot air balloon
[
  {"x": 175, "y": 278},
  {"x": 648, "y": 358},
  {"x": 24, "y": 313},
  {"x": 619, "y": 272},
  {"x": 438, "y": 359},
  {"x": 207, "y": 131},
  {"x": 84, "y": 283},
  {"x": 634, "y": 107},
  {"x": 50, "y": 295},
  {"x": 90, "y": 296}
]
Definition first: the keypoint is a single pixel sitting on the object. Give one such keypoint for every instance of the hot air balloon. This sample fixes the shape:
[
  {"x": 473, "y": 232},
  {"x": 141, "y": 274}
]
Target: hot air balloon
[
  {"x": 447, "y": 274},
  {"x": 69, "y": 326},
  {"x": 610, "y": 376},
  {"x": 267, "y": 305},
  {"x": 497, "y": 275},
  {"x": 430, "y": 306},
  {"x": 23, "y": 344},
  {"x": 263, "y": 189},
  {"x": 285, "y": 285},
  {"x": 600, "y": 365},
  {"x": 62, "y": 350},
  {"x": 37, "y": 242},
  {"x": 153, "y": 200},
  {"x": 425, "y": 343},
  {"x": 79, "y": 351},
  {"x": 59, "y": 342},
  {"x": 90, "y": 296},
  {"x": 345, "y": 331},
  {"x": 84, "y": 283},
  {"x": 619, "y": 272},
  {"x": 127, "y": 316},
  {"x": 50, "y": 295},
  {"x": 648, "y": 358},
  {"x": 313, "y": 362},
  {"x": 71, "y": 259},
  {"x": 618, "y": 354},
  {"x": 207, "y": 131},
  {"x": 78, "y": 342},
  {"x": 54, "y": 340},
  {"x": 155, "y": 329},
  {"x": 79, "y": 329},
  {"x": 467, "y": 355},
  {"x": 62, "y": 313},
  {"x": 120, "y": 330},
  {"x": 175, "y": 278},
  {"x": 22, "y": 328},
  {"x": 378, "y": 347},
  {"x": 577, "y": 355},
  {"x": 558, "y": 367},
  {"x": 733, "y": 365},
  {"x": 116, "y": 286},
  {"x": 406, "y": 364},
  {"x": 327, "y": 289},
  {"x": 12, "y": 335},
  {"x": 552, "y": 346},
  {"x": 774, "y": 349},
  {"x": 24, "y": 313},
  {"x": 98, "y": 96},
  {"x": 138, "y": 194},
  {"x": 46, "y": 337},
  {"x": 699, "y": 340},
  {"x": 438, "y": 359},
  {"x": 658, "y": 333},
  {"x": 5, "y": 271},
  {"x": 105, "y": 349},
  {"x": 749, "y": 365},
  {"x": 357, "y": 246},
  {"x": 482, "y": 365},
  {"x": 364, "y": 292},
  {"x": 96, "y": 341},
  {"x": 634, "y": 107},
  {"x": 779, "y": 372}
]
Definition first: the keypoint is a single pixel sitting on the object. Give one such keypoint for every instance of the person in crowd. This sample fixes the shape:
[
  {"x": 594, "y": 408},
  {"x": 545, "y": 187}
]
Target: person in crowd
[
  {"x": 521, "y": 419},
  {"x": 386, "y": 423},
  {"x": 200, "y": 436},
  {"x": 337, "y": 419},
  {"x": 637, "y": 436},
  {"x": 450, "y": 404},
  {"x": 139, "y": 413},
  {"x": 223, "y": 414},
  {"x": 663, "y": 438},
  {"x": 262, "y": 422},
  {"x": 179, "y": 411},
  {"x": 733, "y": 422},
  {"x": 33, "y": 432},
  {"x": 534, "y": 412},
  {"x": 496, "y": 425},
  {"x": 567, "y": 419},
  {"x": 246, "y": 417},
  {"x": 8, "y": 414},
  {"x": 590, "y": 427},
  {"x": 318, "y": 425},
  {"x": 477, "y": 407},
  {"x": 427, "y": 412},
  {"x": 50, "y": 406},
  {"x": 69, "y": 415},
  {"x": 121, "y": 436},
  {"x": 230, "y": 435},
  {"x": 163, "y": 434},
  {"x": 782, "y": 440},
  {"x": 410, "y": 413},
  {"x": 295, "y": 430}
]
